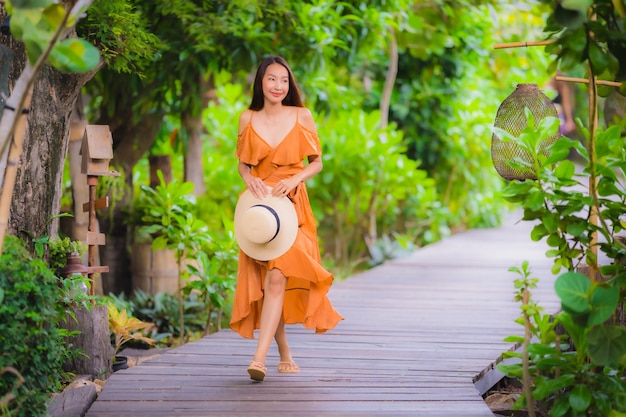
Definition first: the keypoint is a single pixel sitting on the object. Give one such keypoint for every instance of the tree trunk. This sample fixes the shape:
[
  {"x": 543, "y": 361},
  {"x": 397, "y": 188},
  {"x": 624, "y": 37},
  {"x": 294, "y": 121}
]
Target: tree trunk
[
  {"x": 191, "y": 123},
  {"x": 37, "y": 194},
  {"x": 93, "y": 339},
  {"x": 194, "y": 168},
  {"x": 161, "y": 163}
]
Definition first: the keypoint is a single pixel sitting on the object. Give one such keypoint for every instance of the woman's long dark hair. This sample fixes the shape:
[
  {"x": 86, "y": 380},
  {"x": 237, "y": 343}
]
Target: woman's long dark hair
[{"x": 293, "y": 96}]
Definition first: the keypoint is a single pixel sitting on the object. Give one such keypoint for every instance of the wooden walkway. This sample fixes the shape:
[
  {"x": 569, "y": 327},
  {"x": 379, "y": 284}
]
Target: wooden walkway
[{"x": 419, "y": 338}]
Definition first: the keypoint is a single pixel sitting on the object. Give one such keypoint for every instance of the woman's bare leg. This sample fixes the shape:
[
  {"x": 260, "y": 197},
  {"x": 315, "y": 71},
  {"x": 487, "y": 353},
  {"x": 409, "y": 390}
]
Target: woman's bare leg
[
  {"x": 286, "y": 363},
  {"x": 281, "y": 341},
  {"x": 271, "y": 315}
]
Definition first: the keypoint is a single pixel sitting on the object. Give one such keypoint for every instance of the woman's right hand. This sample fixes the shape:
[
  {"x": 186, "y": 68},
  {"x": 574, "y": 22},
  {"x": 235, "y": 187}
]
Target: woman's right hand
[{"x": 257, "y": 187}]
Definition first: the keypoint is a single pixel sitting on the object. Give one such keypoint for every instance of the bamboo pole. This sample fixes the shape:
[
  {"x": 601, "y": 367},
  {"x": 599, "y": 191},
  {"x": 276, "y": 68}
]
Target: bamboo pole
[
  {"x": 92, "y": 182},
  {"x": 10, "y": 173},
  {"x": 586, "y": 81},
  {"x": 593, "y": 191},
  {"x": 522, "y": 44}
]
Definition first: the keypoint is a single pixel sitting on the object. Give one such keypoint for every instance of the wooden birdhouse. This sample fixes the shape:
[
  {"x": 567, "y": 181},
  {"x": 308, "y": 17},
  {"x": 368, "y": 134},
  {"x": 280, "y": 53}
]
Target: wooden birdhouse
[{"x": 97, "y": 151}]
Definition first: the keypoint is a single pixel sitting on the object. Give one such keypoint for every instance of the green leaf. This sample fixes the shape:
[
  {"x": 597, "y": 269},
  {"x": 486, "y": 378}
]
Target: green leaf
[
  {"x": 53, "y": 15},
  {"x": 559, "y": 150},
  {"x": 541, "y": 349},
  {"x": 510, "y": 339},
  {"x": 576, "y": 229},
  {"x": 580, "y": 5},
  {"x": 74, "y": 55},
  {"x": 603, "y": 304},
  {"x": 572, "y": 288},
  {"x": 538, "y": 232},
  {"x": 159, "y": 243},
  {"x": 511, "y": 370},
  {"x": 571, "y": 19},
  {"x": 597, "y": 57},
  {"x": 580, "y": 397},
  {"x": 30, "y": 4},
  {"x": 560, "y": 408},
  {"x": 545, "y": 386},
  {"x": 607, "y": 345},
  {"x": 551, "y": 222},
  {"x": 535, "y": 200},
  {"x": 619, "y": 399},
  {"x": 565, "y": 170}
]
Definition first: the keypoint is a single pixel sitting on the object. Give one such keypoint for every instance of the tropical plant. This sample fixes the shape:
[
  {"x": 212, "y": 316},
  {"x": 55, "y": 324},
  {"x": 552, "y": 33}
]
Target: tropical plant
[
  {"x": 59, "y": 249},
  {"x": 216, "y": 275},
  {"x": 32, "y": 338},
  {"x": 162, "y": 310},
  {"x": 581, "y": 371},
  {"x": 125, "y": 328},
  {"x": 167, "y": 214},
  {"x": 580, "y": 213}
]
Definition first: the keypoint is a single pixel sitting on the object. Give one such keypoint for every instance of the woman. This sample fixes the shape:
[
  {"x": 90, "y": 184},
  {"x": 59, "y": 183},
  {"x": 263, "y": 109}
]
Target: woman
[{"x": 276, "y": 135}]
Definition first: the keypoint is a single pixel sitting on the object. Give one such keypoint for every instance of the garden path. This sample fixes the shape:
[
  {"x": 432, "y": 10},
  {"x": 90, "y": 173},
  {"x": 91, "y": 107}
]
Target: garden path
[{"x": 421, "y": 337}]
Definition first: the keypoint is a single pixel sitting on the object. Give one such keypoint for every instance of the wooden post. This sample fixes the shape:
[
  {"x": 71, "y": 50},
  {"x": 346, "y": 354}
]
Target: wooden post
[
  {"x": 92, "y": 181},
  {"x": 96, "y": 151},
  {"x": 593, "y": 184}
]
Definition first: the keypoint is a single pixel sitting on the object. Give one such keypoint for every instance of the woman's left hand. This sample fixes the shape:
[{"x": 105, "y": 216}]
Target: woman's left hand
[{"x": 284, "y": 187}]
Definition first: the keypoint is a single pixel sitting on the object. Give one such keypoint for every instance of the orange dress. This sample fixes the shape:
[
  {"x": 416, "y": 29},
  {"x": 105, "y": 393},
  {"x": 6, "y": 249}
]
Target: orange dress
[{"x": 306, "y": 299}]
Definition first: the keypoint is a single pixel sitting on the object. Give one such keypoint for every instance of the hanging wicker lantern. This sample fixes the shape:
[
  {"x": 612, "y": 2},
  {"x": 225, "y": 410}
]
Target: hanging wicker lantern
[{"x": 511, "y": 118}]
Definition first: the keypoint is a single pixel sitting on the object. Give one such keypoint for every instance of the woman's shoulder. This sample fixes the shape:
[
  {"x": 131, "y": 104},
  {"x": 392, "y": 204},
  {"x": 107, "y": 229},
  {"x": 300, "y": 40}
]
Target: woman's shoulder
[
  {"x": 244, "y": 119},
  {"x": 305, "y": 118}
]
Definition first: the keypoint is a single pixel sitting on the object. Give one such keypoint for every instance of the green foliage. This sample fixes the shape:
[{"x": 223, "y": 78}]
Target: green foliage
[
  {"x": 32, "y": 342},
  {"x": 156, "y": 209},
  {"x": 581, "y": 378},
  {"x": 215, "y": 276},
  {"x": 445, "y": 95},
  {"x": 167, "y": 215},
  {"x": 585, "y": 376},
  {"x": 120, "y": 33},
  {"x": 126, "y": 328},
  {"x": 599, "y": 41},
  {"x": 558, "y": 199},
  {"x": 220, "y": 172},
  {"x": 369, "y": 188},
  {"x": 59, "y": 249},
  {"x": 37, "y": 24},
  {"x": 162, "y": 310}
]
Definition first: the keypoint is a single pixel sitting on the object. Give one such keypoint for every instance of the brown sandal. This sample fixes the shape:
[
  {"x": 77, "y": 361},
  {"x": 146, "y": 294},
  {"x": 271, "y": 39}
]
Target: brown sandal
[
  {"x": 288, "y": 367},
  {"x": 257, "y": 371}
]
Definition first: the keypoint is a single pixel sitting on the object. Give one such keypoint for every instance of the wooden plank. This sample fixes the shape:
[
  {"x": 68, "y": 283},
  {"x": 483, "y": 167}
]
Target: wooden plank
[
  {"x": 95, "y": 238},
  {"x": 100, "y": 203},
  {"x": 418, "y": 333},
  {"x": 97, "y": 269}
]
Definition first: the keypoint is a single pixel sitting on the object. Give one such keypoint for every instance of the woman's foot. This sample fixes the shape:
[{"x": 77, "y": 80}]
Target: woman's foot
[
  {"x": 288, "y": 367},
  {"x": 257, "y": 371}
]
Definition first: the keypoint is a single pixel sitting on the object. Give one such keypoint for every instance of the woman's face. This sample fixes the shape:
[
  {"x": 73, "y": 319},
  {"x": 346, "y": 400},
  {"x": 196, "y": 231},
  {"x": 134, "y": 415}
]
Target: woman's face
[{"x": 275, "y": 83}]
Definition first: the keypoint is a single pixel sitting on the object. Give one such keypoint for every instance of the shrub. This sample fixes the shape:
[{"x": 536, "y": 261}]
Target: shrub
[{"x": 32, "y": 342}]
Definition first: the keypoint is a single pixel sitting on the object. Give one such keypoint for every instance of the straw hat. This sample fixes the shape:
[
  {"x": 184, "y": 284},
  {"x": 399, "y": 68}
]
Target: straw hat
[{"x": 265, "y": 228}]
